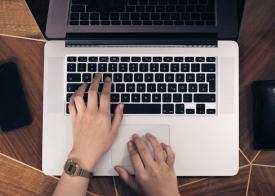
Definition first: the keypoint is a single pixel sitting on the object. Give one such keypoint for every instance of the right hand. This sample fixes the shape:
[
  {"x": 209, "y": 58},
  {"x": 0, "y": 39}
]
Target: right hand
[{"x": 153, "y": 176}]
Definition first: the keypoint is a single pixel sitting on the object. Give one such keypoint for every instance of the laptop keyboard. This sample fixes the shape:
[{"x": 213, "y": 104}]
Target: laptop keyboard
[
  {"x": 170, "y": 85},
  {"x": 145, "y": 12}
]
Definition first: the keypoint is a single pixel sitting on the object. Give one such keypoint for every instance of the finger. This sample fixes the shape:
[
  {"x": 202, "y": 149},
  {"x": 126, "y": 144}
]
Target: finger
[
  {"x": 143, "y": 151},
  {"x": 135, "y": 158},
  {"x": 78, "y": 98},
  {"x": 158, "y": 151},
  {"x": 105, "y": 96},
  {"x": 126, "y": 177},
  {"x": 118, "y": 115},
  {"x": 92, "y": 93},
  {"x": 170, "y": 160},
  {"x": 72, "y": 108}
]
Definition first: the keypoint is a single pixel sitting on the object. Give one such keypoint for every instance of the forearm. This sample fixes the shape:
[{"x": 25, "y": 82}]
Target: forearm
[{"x": 71, "y": 186}]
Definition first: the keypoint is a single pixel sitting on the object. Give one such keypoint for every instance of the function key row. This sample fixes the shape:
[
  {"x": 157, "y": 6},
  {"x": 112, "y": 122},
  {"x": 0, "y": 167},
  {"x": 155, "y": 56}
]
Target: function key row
[
  {"x": 139, "y": 59},
  {"x": 141, "y": 67}
]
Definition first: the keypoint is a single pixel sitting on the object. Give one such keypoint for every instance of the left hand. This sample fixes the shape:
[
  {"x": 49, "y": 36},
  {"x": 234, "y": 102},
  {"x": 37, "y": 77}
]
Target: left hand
[{"x": 93, "y": 129}]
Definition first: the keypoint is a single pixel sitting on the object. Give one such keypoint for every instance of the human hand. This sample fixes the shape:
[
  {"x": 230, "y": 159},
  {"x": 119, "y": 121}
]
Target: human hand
[
  {"x": 153, "y": 176},
  {"x": 93, "y": 129}
]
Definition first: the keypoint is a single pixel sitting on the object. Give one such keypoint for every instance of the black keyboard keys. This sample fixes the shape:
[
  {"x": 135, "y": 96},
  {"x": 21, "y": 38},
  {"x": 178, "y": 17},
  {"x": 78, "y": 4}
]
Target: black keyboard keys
[
  {"x": 168, "y": 108},
  {"x": 81, "y": 67},
  {"x": 75, "y": 77},
  {"x": 71, "y": 67},
  {"x": 200, "y": 109},
  {"x": 179, "y": 108}
]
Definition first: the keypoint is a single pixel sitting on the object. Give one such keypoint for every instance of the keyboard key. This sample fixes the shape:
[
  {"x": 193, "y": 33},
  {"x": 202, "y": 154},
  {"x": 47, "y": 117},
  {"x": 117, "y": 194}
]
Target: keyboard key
[
  {"x": 168, "y": 108},
  {"x": 120, "y": 87},
  {"x": 172, "y": 87},
  {"x": 182, "y": 87},
  {"x": 167, "y": 59},
  {"x": 208, "y": 67},
  {"x": 179, "y": 77},
  {"x": 71, "y": 67},
  {"x": 104, "y": 59},
  {"x": 210, "y": 59},
  {"x": 189, "y": 59},
  {"x": 190, "y": 77},
  {"x": 200, "y": 77},
  {"x": 200, "y": 109},
  {"x": 200, "y": 59},
  {"x": 141, "y": 87},
  {"x": 179, "y": 108},
  {"x": 135, "y": 97},
  {"x": 146, "y": 97},
  {"x": 164, "y": 67},
  {"x": 204, "y": 98},
  {"x": 112, "y": 67},
  {"x": 192, "y": 87},
  {"x": 82, "y": 59},
  {"x": 102, "y": 67},
  {"x": 195, "y": 67},
  {"x": 159, "y": 77},
  {"x": 93, "y": 59},
  {"x": 185, "y": 67},
  {"x": 81, "y": 67},
  {"x": 175, "y": 67},
  {"x": 157, "y": 59},
  {"x": 92, "y": 67},
  {"x": 169, "y": 78},
  {"x": 114, "y": 97},
  {"x": 114, "y": 59},
  {"x": 125, "y": 59},
  {"x": 130, "y": 87},
  {"x": 72, "y": 87},
  {"x": 149, "y": 77},
  {"x": 125, "y": 98},
  {"x": 151, "y": 87},
  {"x": 133, "y": 67},
  {"x": 211, "y": 111},
  {"x": 146, "y": 59},
  {"x": 141, "y": 108},
  {"x": 105, "y": 75},
  {"x": 128, "y": 77},
  {"x": 203, "y": 87},
  {"x": 166, "y": 98},
  {"x": 100, "y": 87},
  {"x": 68, "y": 96},
  {"x": 161, "y": 87},
  {"x": 177, "y": 98},
  {"x": 178, "y": 59},
  {"x": 117, "y": 77},
  {"x": 143, "y": 67},
  {"x": 154, "y": 67},
  {"x": 74, "y": 77},
  {"x": 135, "y": 59},
  {"x": 138, "y": 77},
  {"x": 86, "y": 77},
  {"x": 190, "y": 111},
  {"x": 123, "y": 67},
  {"x": 71, "y": 59},
  {"x": 187, "y": 98},
  {"x": 156, "y": 98}
]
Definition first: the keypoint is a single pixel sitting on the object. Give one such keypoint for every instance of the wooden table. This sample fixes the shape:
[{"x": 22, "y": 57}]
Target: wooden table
[{"x": 20, "y": 150}]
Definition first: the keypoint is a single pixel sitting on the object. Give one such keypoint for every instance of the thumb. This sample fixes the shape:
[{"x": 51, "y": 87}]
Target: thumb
[
  {"x": 118, "y": 115},
  {"x": 127, "y": 178}
]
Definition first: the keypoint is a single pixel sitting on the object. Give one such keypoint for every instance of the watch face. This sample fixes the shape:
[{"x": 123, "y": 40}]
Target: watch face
[{"x": 70, "y": 168}]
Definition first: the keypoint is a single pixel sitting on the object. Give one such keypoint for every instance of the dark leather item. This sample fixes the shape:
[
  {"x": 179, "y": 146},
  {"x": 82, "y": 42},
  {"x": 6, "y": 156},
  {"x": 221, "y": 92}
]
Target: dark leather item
[{"x": 264, "y": 114}]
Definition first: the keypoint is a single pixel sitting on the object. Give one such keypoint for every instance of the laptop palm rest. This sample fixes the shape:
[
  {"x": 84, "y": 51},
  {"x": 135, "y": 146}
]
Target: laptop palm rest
[{"x": 119, "y": 151}]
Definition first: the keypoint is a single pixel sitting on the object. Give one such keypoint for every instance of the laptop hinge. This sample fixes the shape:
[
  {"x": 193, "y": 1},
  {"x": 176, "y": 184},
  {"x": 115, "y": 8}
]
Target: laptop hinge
[{"x": 128, "y": 39}]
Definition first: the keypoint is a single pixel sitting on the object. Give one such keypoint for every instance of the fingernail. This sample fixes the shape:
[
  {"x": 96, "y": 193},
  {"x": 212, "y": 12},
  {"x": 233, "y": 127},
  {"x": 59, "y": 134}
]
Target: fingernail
[
  {"x": 135, "y": 135},
  {"x": 107, "y": 79}
]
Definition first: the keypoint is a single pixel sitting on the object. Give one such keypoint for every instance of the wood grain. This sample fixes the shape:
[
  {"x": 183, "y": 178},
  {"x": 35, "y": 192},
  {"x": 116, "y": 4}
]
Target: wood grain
[{"x": 17, "y": 20}]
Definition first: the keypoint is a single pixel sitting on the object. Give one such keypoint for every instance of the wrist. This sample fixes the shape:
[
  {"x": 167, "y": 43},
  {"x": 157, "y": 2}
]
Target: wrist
[{"x": 87, "y": 163}]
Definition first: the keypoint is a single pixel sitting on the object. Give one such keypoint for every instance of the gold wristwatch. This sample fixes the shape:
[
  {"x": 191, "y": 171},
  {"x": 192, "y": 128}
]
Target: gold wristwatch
[{"x": 73, "y": 168}]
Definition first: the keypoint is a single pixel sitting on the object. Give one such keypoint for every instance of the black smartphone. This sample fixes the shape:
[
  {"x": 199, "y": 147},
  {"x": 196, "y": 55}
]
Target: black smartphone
[{"x": 14, "y": 111}]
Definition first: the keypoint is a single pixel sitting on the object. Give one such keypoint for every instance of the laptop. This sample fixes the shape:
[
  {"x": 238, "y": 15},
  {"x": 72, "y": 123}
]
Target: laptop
[{"x": 173, "y": 63}]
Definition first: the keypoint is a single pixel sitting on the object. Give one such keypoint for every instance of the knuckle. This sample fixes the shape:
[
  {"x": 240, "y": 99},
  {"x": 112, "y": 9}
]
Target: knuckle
[
  {"x": 78, "y": 98},
  {"x": 92, "y": 92}
]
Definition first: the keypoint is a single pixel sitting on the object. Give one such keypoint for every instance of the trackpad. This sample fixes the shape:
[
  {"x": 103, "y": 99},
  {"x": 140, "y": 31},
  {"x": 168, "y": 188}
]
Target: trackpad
[{"x": 120, "y": 155}]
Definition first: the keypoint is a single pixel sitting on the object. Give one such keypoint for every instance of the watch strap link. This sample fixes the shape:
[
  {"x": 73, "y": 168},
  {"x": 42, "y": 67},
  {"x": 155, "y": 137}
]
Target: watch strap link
[{"x": 84, "y": 173}]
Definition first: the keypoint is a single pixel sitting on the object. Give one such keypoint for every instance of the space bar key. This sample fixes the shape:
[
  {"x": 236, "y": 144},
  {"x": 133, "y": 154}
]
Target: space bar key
[{"x": 140, "y": 108}]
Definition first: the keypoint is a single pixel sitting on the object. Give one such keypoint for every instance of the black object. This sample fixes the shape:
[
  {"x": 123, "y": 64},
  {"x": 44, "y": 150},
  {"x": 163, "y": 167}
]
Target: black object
[
  {"x": 14, "y": 112},
  {"x": 264, "y": 114}
]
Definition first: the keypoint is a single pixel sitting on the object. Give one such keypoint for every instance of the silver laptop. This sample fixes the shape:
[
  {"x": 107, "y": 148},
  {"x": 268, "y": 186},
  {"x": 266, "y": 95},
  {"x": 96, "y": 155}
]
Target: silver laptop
[{"x": 173, "y": 63}]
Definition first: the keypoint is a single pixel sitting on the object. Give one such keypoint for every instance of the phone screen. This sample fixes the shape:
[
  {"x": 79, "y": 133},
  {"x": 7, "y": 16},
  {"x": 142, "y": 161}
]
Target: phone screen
[{"x": 14, "y": 112}]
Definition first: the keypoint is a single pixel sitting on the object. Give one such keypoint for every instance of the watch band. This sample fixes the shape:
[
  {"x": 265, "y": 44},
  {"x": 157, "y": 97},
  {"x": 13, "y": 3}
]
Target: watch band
[{"x": 84, "y": 173}]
